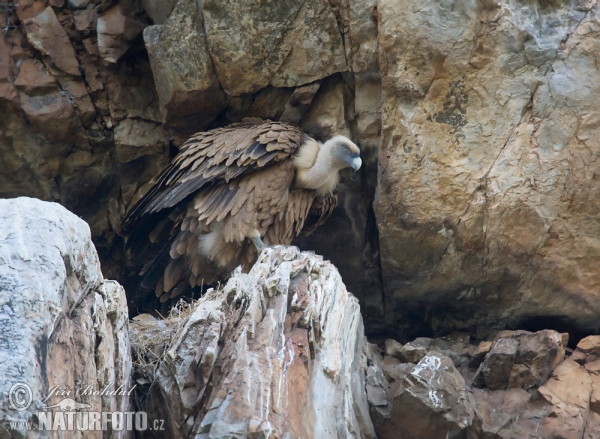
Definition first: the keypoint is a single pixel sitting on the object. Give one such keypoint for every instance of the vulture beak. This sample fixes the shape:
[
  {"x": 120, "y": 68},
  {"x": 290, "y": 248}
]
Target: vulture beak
[{"x": 356, "y": 162}]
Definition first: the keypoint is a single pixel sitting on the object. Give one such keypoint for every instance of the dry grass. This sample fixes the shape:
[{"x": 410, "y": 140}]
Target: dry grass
[{"x": 152, "y": 338}]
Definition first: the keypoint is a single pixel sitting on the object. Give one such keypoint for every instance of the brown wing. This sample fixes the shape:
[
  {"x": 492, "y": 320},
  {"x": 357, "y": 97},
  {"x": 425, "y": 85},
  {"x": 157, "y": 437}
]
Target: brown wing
[
  {"x": 214, "y": 157},
  {"x": 320, "y": 210}
]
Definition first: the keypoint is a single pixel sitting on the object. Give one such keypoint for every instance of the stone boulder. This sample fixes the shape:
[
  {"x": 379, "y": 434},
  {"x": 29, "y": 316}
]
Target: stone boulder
[
  {"x": 64, "y": 328},
  {"x": 432, "y": 402},
  {"x": 277, "y": 352}
]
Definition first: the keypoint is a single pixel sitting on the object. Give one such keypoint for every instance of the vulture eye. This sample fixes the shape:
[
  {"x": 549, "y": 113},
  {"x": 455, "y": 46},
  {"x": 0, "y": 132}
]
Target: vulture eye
[{"x": 345, "y": 147}]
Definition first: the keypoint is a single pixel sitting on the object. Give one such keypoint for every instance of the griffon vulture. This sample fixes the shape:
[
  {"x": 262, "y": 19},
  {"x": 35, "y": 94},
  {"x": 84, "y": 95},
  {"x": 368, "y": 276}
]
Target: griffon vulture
[{"x": 227, "y": 194}]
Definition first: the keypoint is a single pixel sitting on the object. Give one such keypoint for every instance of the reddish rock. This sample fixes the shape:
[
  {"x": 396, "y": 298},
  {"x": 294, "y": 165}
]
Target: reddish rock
[
  {"x": 570, "y": 384},
  {"x": 33, "y": 75},
  {"x": 28, "y": 9},
  {"x": 116, "y": 28},
  {"x": 52, "y": 115},
  {"x": 482, "y": 350},
  {"x": 495, "y": 409},
  {"x": 590, "y": 345},
  {"x": 47, "y": 35}
]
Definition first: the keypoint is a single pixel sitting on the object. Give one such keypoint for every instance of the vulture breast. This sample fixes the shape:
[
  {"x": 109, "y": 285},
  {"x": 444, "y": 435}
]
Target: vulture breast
[{"x": 191, "y": 228}]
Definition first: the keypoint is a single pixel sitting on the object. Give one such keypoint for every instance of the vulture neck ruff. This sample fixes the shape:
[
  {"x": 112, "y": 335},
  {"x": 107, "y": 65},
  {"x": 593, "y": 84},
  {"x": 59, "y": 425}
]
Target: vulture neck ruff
[{"x": 315, "y": 168}]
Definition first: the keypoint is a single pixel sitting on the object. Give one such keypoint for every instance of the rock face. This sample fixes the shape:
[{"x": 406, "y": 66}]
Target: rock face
[
  {"x": 278, "y": 352},
  {"x": 95, "y": 96},
  {"x": 533, "y": 390},
  {"x": 486, "y": 196},
  {"x": 63, "y": 326},
  {"x": 476, "y": 208}
]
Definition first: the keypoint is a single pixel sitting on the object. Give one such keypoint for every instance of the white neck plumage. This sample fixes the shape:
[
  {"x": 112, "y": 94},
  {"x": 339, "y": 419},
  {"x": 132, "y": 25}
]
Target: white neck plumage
[{"x": 315, "y": 168}]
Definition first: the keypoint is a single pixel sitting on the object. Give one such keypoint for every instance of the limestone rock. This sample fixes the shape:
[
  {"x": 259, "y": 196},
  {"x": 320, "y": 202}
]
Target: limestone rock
[
  {"x": 317, "y": 51},
  {"x": 295, "y": 43},
  {"x": 158, "y": 10},
  {"x": 46, "y": 34},
  {"x": 278, "y": 351},
  {"x": 135, "y": 138},
  {"x": 393, "y": 348},
  {"x": 116, "y": 28},
  {"x": 432, "y": 402},
  {"x": 64, "y": 326},
  {"x": 479, "y": 176},
  {"x": 537, "y": 356},
  {"x": 188, "y": 88},
  {"x": 414, "y": 351}
]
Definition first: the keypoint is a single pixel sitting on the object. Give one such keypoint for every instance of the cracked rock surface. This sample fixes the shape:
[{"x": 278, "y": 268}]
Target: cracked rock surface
[
  {"x": 477, "y": 206},
  {"x": 62, "y": 325},
  {"x": 488, "y": 190},
  {"x": 278, "y": 352}
]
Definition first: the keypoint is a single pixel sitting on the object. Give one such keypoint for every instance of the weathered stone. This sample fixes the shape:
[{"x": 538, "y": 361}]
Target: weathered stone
[
  {"x": 317, "y": 50},
  {"x": 187, "y": 87},
  {"x": 158, "y": 10},
  {"x": 394, "y": 372},
  {"x": 275, "y": 347},
  {"x": 393, "y": 348},
  {"x": 498, "y": 363},
  {"x": 495, "y": 409},
  {"x": 296, "y": 43},
  {"x": 475, "y": 164},
  {"x": 590, "y": 345},
  {"x": 362, "y": 36},
  {"x": 45, "y": 33},
  {"x": 326, "y": 116},
  {"x": 136, "y": 138},
  {"x": 245, "y": 55},
  {"x": 414, "y": 351},
  {"x": 482, "y": 350},
  {"x": 65, "y": 327},
  {"x": 378, "y": 391},
  {"x": 116, "y": 28},
  {"x": 299, "y": 102},
  {"x": 537, "y": 356},
  {"x": 571, "y": 384},
  {"x": 270, "y": 102},
  {"x": 592, "y": 426},
  {"x": 52, "y": 115},
  {"x": 33, "y": 75},
  {"x": 432, "y": 402}
]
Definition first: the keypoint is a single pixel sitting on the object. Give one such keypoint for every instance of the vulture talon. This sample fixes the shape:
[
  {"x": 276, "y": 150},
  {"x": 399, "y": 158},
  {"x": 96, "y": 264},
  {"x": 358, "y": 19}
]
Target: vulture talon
[{"x": 258, "y": 242}]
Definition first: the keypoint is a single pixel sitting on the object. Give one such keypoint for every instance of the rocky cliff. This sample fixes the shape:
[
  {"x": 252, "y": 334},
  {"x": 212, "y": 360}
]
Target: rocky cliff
[
  {"x": 478, "y": 121},
  {"x": 476, "y": 210}
]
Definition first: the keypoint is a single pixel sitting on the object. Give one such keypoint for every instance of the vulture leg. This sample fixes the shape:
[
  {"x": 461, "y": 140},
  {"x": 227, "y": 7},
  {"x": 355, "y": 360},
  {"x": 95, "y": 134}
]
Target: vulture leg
[{"x": 258, "y": 243}]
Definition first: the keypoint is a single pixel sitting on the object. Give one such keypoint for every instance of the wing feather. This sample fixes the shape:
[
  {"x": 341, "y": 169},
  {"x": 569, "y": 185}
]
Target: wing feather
[
  {"x": 213, "y": 157},
  {"x": 322, "y": 207}
]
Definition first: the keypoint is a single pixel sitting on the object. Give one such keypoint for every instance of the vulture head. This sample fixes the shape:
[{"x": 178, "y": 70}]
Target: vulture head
[
  {"x": 344, "y": 153},
  {"x": 227, "y": 194}
]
